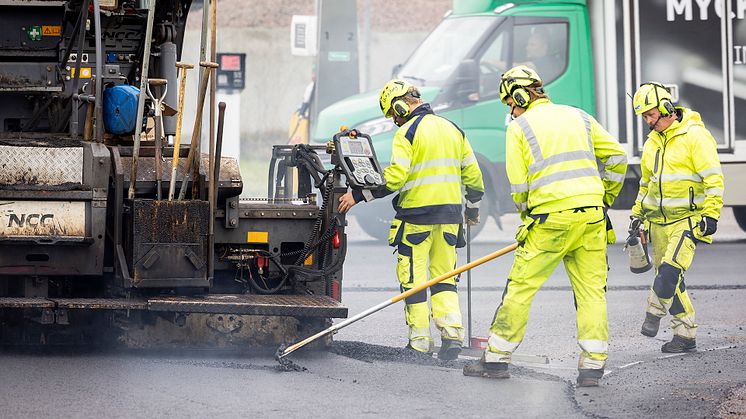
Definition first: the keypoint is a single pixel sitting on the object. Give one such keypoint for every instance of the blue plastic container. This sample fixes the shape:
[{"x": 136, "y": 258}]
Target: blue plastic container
[{"x": 120, "y": 109}]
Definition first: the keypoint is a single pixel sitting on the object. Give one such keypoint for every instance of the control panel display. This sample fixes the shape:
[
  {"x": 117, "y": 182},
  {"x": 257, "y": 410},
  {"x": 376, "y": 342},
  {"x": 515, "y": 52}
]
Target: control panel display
[{"x": 358, "y": 159}]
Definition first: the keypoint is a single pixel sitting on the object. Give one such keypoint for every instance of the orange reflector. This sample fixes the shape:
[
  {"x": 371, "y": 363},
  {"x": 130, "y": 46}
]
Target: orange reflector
[
  {"x": 309, "y": 260},
  {"x": 478, "y": 342},
  {"x": 335, "y": 290},
  {"x": 257, "y": 237},
  {"x": 335, "y": 240},
  {"x": 85, "y": 72},
  {"x": 262, "y": 262}
]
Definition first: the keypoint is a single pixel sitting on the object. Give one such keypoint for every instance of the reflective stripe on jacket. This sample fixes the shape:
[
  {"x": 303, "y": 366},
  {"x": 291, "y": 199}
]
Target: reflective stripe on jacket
[
  {"x": 681, "y": 174},
  {"x": 430, "y": 159},
  {"x": 553, "y": 154}
]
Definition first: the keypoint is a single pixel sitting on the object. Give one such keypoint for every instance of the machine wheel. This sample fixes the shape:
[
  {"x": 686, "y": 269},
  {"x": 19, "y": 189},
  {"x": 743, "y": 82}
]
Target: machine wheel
[{"x": 740, "y": 213}]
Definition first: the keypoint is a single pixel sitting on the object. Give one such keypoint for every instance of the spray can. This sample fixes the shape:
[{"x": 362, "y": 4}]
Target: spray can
[{"x": 639, "y": 259}]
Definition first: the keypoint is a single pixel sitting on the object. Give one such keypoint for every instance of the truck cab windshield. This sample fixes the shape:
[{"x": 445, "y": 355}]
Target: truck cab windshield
[{"x": 438, "y": 56}]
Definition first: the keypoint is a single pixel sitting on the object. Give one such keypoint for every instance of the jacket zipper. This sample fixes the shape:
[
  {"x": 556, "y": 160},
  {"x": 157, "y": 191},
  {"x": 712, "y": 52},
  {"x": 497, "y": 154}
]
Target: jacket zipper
[{"x": 660, "y": 176}]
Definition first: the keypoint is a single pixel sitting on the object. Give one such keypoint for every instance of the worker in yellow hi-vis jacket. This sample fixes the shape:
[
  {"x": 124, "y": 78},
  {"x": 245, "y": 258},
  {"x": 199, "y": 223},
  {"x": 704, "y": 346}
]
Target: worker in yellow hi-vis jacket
[
  {"x": 430, "y": 161},
  {"x": 562, "y": 193},
  {"x": 680, "y": 197}
]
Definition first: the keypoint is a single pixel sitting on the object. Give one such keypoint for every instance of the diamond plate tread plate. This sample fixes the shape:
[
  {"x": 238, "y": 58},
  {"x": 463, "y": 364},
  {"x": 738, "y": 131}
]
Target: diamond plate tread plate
[
  {"x": 40, "y": 165},
  {"x": 267, "y": 305},
  {"x": 25, "y": 302},
  {"x": 101, "y": 303}
]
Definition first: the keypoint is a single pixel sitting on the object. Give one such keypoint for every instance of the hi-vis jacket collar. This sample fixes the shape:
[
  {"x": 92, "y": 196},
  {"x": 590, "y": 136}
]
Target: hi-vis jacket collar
[
  {"x": 423, "y": 109},
  {"x": 689, "y": 118},
  {"x": 538, "y": 102}
]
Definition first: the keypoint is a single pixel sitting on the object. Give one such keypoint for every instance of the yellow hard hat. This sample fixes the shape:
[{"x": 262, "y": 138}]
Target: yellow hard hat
[
  {"x": 512, "y": 84},
  {"x": 393, "y": 90},
  {"x": 653, "y": 95}
]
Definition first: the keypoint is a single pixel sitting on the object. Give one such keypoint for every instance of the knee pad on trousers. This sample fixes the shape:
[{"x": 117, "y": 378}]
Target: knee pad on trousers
[
  {"x": 666, "y": 281},
  {"x": 676, "y": 306}
]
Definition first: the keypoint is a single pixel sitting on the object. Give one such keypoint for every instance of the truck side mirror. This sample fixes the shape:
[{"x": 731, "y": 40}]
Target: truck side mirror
[
  {"x": 467, "y": 81},
  {"x": 395, "y": 70}
]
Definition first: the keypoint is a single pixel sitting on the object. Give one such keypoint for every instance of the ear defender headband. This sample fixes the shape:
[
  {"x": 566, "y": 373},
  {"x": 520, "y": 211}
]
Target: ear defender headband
[{"x": 665, "y": 106}]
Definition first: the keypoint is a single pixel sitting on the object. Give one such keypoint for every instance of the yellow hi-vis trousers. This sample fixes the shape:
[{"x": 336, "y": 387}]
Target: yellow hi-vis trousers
[
  {"x": 578, "y": 238},
  {"x": 673, "y": 251},
  {"x": 424, "y": 250}
]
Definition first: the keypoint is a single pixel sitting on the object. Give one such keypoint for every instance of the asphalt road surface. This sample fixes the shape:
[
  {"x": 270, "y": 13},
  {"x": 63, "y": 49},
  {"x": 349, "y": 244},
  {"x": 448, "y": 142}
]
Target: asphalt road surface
[{"x": 367, "y": 373}]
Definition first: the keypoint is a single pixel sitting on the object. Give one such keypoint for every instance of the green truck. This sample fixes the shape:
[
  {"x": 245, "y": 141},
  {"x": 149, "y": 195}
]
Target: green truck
[{"x": 592, "y": 55}]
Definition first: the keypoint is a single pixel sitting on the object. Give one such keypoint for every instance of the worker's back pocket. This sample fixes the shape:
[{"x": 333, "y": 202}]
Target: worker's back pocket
[
  {"x": 417, "y": 238},
  {"x": 549, "y": 237},
  {"x": 594, "y": 237}
]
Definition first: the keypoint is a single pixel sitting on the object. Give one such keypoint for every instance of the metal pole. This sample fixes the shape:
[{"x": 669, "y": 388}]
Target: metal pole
[
  {"x": 381, "y": 306},
  {"x": 211, "y": 159},
  {"x": 78, "y": 56},
  {"x": 141, "y": 99},
  {"x": 468, "y": 285},
  {"x": 214, "y": 177},
  {"x": 98, "y": 132}
]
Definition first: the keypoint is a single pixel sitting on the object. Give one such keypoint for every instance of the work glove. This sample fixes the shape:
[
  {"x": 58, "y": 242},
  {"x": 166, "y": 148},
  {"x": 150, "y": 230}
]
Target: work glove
[
  {"x": 471, "y": 216},
  {"x": 708, "y": 226},
  {"x": 634, "y": 225}
]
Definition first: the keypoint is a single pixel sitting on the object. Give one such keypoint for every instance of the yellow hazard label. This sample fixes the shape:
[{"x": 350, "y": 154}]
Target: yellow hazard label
[
  {"x": 309, "y": 260},
  {"x": 51, "y": 30},
  {"x": 85, "y": 72},
  {"x": 257, "y": 237}
]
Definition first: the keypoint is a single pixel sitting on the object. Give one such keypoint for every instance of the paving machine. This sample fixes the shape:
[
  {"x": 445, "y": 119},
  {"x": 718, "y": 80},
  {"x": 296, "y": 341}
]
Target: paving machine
[{"x": 92, "y": 244}]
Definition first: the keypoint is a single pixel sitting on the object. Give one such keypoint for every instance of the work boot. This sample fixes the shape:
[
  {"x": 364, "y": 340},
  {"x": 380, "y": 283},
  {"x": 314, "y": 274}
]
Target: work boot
[
  {"x": 650, "y": 325},
  {"x": 487, "y": 369},
  {"x": 679, "y": 344},
  {"x": 449, "y": 349},
  {"x": 418, "y": 352},
  {"x": 589, "y": 378}
]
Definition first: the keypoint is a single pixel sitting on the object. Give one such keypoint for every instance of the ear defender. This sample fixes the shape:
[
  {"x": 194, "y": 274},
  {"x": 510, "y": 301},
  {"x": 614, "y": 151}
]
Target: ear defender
[
  {"x": 520, "y": 97},
  {"x": 400, "y": 108},
  {"x": 665, "y": 106},
  {"x": 519, "y": 94}
]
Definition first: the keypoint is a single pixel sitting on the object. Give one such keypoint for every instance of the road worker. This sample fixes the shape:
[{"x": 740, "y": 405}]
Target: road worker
[
  {"x": 430, "y": 161},
  {"x": 564, "y": 170},
  {"x": 681, "y": 194}
]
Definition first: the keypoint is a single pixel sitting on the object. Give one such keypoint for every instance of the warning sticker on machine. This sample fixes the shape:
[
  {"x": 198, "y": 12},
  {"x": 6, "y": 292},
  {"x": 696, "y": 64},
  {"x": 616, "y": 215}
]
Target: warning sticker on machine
[
  {"x": 51, "y": 30},
  {"x": 42, "y": 218}
]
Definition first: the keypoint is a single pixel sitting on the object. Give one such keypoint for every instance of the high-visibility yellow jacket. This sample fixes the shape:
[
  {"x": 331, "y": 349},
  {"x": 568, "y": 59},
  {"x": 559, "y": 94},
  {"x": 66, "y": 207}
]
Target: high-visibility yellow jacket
[
  {"x": 553, "y": 153},
  {"x": 430, "y": 159},
  {"x": 681, "y": 174}
]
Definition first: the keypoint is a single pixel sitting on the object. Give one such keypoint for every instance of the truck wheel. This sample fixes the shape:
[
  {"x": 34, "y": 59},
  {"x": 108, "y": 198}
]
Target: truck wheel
[{"x": 740, "y": 213}]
